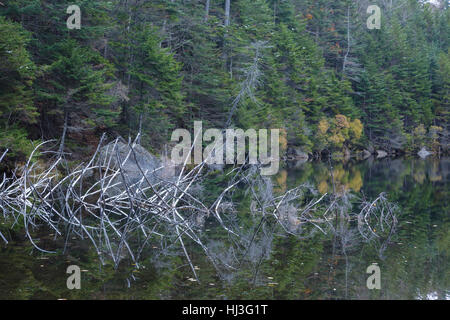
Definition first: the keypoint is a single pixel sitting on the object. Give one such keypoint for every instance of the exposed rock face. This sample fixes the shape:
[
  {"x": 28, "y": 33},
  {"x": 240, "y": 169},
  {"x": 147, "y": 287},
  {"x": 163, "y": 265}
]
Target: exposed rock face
[
  {"x": 138, "y": 162},
  {"x": 297, "y": 153},
  {"x": 423, "y": 153},
  {"x": 366, "y": 154},
  {"x": 381, "y": 154},
  {"x": 347, "y": 153}
]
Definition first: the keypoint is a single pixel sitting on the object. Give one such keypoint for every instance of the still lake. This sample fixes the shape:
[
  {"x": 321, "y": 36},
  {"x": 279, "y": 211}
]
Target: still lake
[{"x": 413, "y": 261}]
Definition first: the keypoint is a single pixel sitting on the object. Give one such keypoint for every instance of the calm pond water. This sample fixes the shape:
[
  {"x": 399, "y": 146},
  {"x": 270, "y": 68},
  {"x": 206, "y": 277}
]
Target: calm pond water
[{"x": 414, "y": 260}]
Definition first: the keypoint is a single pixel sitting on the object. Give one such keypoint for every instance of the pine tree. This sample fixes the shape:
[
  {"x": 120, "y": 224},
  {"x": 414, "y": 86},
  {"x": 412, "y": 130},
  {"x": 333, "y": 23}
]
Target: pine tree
[{"x": 17, "y": 73}]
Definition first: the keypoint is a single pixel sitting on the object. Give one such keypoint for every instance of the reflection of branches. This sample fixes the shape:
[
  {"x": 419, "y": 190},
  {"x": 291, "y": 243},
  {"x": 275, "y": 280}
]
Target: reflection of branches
[
  {"x": 123, "y": 217},
  {"x": 87, "y": 203},
  {"x": 379, "y": 213},
  {"x": 301, "y": 212},
  {"x": 374, "y": 223}
]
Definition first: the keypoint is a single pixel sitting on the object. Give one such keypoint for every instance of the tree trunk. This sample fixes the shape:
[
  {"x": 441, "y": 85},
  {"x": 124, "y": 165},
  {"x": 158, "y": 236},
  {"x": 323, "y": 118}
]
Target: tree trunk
[
  {"x": 227, "y": 13},
  {"x": 227, "y": 23},
  {"x": 140, "y": 129},
  {"x": 63, "y": 137},
  {"x": 208, "y": 2},
  {"x": 130, "y": 61},
  {"x": 348, "y": 41}
]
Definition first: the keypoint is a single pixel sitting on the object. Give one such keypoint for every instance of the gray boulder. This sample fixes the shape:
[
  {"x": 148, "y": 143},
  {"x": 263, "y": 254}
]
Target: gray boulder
[
  {"x": 381, "y": 154},
  {"x": 297, "y": 153},
  {"x": 134, "y": 164},
  {"x": 366, "y": 154},
  {"x": 423, "y": 153}
]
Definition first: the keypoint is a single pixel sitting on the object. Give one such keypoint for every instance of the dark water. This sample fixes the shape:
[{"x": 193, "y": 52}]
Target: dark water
[{"x": 414, "y": 261}]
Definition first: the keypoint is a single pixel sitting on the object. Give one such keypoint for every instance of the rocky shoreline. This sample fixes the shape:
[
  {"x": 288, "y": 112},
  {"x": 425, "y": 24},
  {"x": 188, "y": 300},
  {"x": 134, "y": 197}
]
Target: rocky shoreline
[{"x": 297, "y": 154}]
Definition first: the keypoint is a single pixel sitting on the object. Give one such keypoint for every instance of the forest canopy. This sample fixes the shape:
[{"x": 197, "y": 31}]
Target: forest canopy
[{"x": 311, "y": 68}]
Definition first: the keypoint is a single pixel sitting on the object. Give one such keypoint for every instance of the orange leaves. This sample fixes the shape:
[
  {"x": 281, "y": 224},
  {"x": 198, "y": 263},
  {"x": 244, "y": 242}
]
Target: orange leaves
[
  {"x": 341, "y": 121},
  {"x": 336, "y": 47},
  {"x": 340, "y": 129}
]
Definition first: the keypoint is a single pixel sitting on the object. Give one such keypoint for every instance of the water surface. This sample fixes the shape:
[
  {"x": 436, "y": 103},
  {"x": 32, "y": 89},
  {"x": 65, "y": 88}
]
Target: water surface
[{"x": 414, "y": 261}]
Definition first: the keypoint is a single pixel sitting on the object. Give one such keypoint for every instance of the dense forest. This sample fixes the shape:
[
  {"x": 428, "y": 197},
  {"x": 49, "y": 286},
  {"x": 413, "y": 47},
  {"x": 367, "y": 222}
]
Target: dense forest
[
  {"x": 338, "y": 85},
  {"x": 310, "y": 67}
]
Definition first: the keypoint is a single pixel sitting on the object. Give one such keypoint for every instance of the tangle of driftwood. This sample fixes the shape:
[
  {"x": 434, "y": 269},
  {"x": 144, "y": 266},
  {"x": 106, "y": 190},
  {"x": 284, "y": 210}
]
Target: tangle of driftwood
[{"x": 85, "y": 202}]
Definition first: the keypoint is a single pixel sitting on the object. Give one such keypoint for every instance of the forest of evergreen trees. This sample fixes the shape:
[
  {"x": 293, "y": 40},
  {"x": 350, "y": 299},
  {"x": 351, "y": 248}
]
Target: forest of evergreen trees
[{"x": 310, "y": 67}]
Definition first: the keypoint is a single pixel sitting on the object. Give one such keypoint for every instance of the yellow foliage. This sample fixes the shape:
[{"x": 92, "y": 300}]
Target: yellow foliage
[
  {"x": 283, "y": 140},
  {"x": 436, "y": 129},
  {"x": 323, "y": 186},
  {"x": 420, "y": 130},
  {"x": 339, "y": 130},
  {"x": 435, "y": 178},
  {"x": 341, "y": 121},
  {"x": 281, "y": 181},
  {"x": 338, "y": 174},
  {"x": 356, "y": 181},
  {"x": 337, "y": 139},
  {"x": 323, "y": 126},
  {"x": 419, "y": 177},
  {"x": 356, "y": 128}
]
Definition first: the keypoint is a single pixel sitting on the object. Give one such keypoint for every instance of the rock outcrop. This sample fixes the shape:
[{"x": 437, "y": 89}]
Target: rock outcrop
[
  {"x": 423, "y": 153},
  {"x": 296, "y": 153},
  {"x": 381, "y": 154},
  {"x": 135, "y": 164}
]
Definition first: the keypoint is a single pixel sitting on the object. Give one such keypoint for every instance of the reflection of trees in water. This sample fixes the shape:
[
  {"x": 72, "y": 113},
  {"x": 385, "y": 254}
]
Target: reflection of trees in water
[
  {"x": 123, "y": 219},
  {"x": 371, "y": 176},
  {"x": 376, "y": 224},
  {"x": 289, "y": 246},
  {"x": 305, "y": 214},
  {"x": 346, "y": 177},
  {"x": 250, "y": 216}
]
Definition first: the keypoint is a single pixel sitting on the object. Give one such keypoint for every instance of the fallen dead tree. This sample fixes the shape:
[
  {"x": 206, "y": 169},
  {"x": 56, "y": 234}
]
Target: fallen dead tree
[{"x": 121, "y": 218}]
